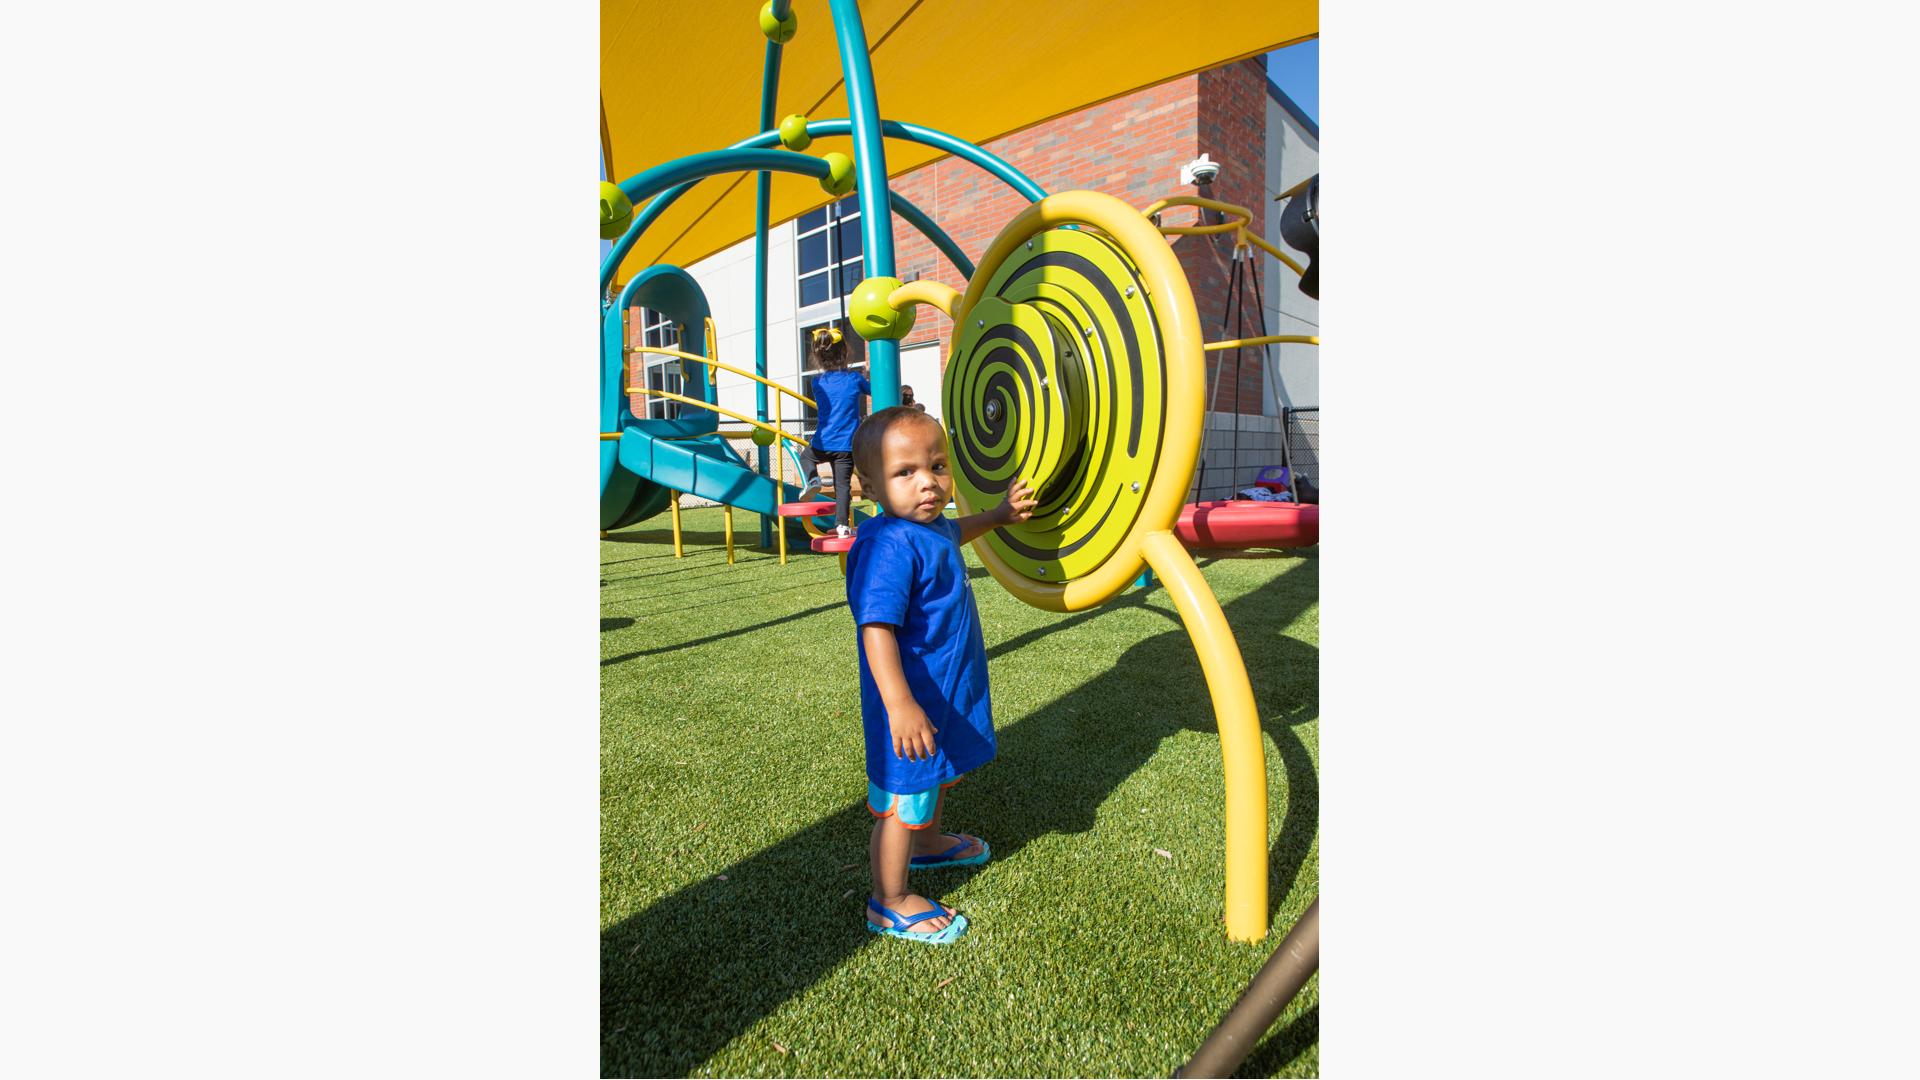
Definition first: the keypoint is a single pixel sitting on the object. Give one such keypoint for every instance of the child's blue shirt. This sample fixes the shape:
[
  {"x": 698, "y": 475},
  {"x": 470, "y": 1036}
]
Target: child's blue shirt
[
  {"x": 913, "y": 578},
  {"x": 836, "y": 395}
]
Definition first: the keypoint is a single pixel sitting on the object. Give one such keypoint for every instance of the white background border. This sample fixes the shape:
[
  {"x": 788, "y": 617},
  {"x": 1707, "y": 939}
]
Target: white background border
[{"x": 300, "y": 766}]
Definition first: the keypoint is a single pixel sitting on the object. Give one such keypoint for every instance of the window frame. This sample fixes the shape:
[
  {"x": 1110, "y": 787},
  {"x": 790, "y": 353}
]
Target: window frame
[
  {"x": 657, "y": 372},
  {"x": 840, "y": 215}
]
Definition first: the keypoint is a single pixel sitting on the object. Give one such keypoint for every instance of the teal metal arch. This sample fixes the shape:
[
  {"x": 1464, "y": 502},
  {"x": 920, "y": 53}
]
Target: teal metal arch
[
  {"x": 645, "y": 218},
  {"x": 671, "y": 291}
]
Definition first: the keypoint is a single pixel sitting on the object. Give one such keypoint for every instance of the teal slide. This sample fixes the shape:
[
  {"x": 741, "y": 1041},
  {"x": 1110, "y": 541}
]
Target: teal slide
[{"x": 655, "y": 458}]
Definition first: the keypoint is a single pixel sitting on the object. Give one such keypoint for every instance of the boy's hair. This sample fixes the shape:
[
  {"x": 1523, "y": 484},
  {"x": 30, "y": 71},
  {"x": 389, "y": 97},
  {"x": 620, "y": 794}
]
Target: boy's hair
[
  {"x": 871, "y": 435},
  {"x": 829, "y": 349}
]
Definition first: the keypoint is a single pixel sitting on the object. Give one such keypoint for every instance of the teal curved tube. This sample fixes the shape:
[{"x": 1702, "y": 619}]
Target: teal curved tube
[
  {"x": 626, "y": 497},
  {"x": 683, "y": 173},
  {"x": 918, "y": 219},
  {"x": 893, "y": 129}
]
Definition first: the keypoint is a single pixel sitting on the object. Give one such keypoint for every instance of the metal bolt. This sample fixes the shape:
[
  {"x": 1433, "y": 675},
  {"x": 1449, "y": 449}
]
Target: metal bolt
[
  {"x": 980, "y": 322},
  {"x": 1041, "y": 570},
  {"x": 1129, "y": 292},
  {"x": 1136, "y": 487},
  {"x": 1087, "y": 332},
  {"x": 1029, "y": 245}
]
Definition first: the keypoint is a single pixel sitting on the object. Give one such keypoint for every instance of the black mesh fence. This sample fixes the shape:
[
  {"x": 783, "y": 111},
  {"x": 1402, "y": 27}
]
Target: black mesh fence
[{"x": 1303, "y": 442}]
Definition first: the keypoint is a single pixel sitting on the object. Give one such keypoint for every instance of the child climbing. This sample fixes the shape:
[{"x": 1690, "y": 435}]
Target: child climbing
[
  {"x": 838, "y": 395},
  {"x": 923, "y": 664}
]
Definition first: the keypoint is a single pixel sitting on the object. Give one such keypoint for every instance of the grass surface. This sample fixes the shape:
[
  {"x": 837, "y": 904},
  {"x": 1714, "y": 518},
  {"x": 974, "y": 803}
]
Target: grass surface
[{"x": 734, "y": 837}]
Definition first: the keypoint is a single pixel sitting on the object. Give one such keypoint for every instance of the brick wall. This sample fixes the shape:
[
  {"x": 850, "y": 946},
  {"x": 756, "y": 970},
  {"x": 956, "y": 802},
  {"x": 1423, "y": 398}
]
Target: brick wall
[{"x": 1131, "y": 148}]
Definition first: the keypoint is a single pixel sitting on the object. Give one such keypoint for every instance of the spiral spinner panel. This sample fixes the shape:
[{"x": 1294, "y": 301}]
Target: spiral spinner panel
[{"x": 1076, "y": 366}]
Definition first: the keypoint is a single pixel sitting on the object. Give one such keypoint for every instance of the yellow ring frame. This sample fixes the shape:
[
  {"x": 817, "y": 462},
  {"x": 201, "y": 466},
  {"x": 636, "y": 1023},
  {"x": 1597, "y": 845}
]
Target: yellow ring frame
[
  {"x": 1151, "y": 540},
  {"x": 1166, "y": 284}
]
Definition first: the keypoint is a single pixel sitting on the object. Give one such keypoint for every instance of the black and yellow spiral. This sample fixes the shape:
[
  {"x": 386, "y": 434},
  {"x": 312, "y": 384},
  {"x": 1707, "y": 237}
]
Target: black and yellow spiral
[{"x": 1066, "y": 373}]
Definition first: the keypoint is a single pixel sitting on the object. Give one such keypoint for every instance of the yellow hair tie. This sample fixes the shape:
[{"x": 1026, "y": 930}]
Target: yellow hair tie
[{"x": 828, "y": 333}]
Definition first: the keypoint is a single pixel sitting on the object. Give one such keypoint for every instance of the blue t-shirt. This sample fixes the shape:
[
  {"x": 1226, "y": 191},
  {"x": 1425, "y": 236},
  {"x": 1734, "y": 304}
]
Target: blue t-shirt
[
  {"x": 913, "y": 578},
  {"x": 837, "y": 396}
]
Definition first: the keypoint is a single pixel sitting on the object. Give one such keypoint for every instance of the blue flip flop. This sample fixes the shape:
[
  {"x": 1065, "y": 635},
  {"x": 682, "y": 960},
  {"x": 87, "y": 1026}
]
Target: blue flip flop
[
  {"x": 947, "y": 935},
  {"x": 945, "y": 858}
]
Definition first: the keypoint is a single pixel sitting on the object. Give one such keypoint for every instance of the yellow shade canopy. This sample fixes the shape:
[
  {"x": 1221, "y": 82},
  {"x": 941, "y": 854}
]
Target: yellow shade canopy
[{"x": 680, "y": 78}]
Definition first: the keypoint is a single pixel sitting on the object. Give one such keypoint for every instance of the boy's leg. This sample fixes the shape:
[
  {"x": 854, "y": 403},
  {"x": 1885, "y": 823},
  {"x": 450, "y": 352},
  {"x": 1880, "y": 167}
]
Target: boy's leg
[
  {"x": 889, "y": 851},
  {"x": 931, "y": 841}
]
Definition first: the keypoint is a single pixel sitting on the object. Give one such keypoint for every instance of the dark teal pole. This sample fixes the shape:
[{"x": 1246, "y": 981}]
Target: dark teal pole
[
  {"x": 769, "y": 88},
  {"x": 870, "y": 170}
]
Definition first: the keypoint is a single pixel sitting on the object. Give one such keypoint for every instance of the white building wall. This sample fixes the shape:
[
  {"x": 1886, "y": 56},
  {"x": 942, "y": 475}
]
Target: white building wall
[
  {"x": 1293, "y": 155},
  {"x": 727, "y": 279}
]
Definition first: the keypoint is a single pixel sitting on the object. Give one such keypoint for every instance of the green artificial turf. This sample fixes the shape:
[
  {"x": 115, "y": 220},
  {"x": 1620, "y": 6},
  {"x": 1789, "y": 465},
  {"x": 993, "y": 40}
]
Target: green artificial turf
[{"x": 734, "y": 833}]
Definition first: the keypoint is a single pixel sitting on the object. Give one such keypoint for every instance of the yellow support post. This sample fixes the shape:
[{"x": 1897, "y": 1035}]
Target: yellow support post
[
  {"x": 729, "y": 531},
  {"x": 626, "y": 361},
  {"x": 1242, "y": 755},
  {"x": 779, "y": 492},
  {"x": 678, "y": 552}
]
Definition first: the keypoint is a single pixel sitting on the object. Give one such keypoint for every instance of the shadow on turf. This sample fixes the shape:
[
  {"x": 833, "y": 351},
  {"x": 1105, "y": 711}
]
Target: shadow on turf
[
  {"x": 1283, "y": 1045},
  {"x": 668, "y": 592},
  {"x": 711, "y": 638},
  {"x": 683, "y": 978}
]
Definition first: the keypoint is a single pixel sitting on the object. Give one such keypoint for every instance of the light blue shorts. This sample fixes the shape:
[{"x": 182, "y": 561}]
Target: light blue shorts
[{"x": 915, "y": 810}]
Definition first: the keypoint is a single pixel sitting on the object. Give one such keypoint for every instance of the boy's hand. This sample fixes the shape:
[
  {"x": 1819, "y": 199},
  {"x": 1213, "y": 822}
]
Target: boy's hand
[
  {"x": 1018, "y": 506},
  {"x": 912, "y": 731}
]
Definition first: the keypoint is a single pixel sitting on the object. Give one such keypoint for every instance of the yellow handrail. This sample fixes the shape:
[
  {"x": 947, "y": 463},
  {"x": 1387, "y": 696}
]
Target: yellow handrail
[
  {"x": 723, "y": 367},
  {"x": 1200, "y": 230},
  {"x": 1274, "y": 251},
  {"x": 729, "y": 413},
  {"x": 1295, "y": 189},
  {"x": 1242, "y": 237},
  {"x": 1270, "y": 339}
]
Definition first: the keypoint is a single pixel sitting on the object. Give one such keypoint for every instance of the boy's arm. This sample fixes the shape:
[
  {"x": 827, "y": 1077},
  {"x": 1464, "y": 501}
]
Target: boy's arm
[
  {"x": 1018, "y": 507},
  {"x": 912, "y": 731}
]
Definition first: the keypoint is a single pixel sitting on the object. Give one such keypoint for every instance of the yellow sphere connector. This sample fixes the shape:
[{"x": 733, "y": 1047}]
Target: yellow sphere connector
[
  {"x": 793, "y": 133},
  {"x": 778, "y": 31},
  {"x": 839, "y": 178}
]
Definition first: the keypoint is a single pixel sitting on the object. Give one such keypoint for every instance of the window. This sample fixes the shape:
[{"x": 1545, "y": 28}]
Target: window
[
  {"x": 827, "y": 251},
  {"x": 856, "y": 361},
  {"x": 657, "y": 372}
]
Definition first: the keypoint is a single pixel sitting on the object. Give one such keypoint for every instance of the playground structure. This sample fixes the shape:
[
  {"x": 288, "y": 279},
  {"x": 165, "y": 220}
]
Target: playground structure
[
  {"x": 1234, "y": 523},
  {"x": 1076, "y": 363}
]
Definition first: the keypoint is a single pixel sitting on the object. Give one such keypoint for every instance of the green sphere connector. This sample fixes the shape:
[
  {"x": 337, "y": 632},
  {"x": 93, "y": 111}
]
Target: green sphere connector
[
  {"x": 616, "y": 211},
  {"x": 793, "y": 133},
  {"x": 839, "y": 178},
  {"x": 762, "y": 437},
  {"x": 778, "y": 31},
  {"x": 873, "y": 317}
]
